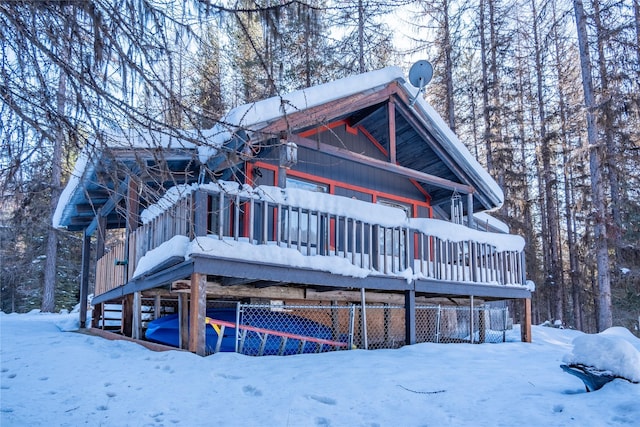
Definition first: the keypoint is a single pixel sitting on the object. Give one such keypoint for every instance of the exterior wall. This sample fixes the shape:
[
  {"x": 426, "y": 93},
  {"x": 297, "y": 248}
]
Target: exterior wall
[{"x": 342, "y": 177}]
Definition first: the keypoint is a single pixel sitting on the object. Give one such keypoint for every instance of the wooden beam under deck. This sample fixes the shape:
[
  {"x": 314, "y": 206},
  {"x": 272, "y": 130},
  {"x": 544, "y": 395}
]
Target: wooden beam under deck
[{"x": 218, "y": 290}]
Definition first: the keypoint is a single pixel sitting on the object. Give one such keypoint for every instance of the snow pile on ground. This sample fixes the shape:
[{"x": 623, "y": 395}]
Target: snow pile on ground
[
  {"x": 54, "y": 378},
  {"x": 615, "y": 350}
]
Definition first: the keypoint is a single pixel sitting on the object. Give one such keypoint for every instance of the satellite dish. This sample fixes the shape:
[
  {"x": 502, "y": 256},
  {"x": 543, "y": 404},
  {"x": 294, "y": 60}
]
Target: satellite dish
[{"x": 419, "y": 75}]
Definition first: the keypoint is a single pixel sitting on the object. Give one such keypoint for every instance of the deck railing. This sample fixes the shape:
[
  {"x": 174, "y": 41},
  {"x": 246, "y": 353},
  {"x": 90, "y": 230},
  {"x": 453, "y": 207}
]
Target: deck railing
[{"x": 389, "y": 250}]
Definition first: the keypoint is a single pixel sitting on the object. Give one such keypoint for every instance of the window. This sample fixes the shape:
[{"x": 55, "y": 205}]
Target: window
[
  {"x": 392, "y": 241},
  {"x": 301, "y": 226}
]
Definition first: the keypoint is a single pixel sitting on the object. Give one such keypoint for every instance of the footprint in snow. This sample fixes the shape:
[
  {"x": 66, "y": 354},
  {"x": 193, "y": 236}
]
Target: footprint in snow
[
  {"x": 323, "y": 399},
  {"x": 322, "y": 422},
  {"x": 251, "y": 391},
  {"x": 228, "y": 377}
]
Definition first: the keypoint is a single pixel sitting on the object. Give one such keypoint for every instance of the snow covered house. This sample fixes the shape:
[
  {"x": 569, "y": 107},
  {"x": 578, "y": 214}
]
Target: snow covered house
[{"x": 330, "y": 193}]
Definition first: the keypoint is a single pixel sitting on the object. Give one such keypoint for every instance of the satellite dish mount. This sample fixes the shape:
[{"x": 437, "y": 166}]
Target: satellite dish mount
[{"x": 420, "y": 75}]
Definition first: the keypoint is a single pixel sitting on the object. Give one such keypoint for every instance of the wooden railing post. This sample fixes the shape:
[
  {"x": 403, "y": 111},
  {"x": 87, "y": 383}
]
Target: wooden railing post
[{"x": 200, "y": 214}]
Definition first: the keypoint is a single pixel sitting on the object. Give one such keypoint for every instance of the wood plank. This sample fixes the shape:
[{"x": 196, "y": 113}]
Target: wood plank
[
  {"x": 217, "y": 290},
  {"x": 113, "y": 336},
  {"x": 183, "y": 322},
  {"x": 525, "y": 329},
  {"x": 325, "y": 113},
  {"x": 197, "y": 314}
]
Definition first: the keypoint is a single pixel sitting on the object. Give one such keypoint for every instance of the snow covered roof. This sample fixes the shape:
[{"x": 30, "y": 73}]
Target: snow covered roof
[{"x": 254, "y": 117}]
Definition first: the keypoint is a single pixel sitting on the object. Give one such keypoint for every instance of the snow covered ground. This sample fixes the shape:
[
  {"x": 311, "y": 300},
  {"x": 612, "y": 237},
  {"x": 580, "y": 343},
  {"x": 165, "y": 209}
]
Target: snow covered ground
[{"x": 54, "y": 378}]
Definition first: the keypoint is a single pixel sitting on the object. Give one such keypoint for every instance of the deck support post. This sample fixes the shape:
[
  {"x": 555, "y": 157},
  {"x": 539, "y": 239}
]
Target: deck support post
[
  {"x": 136, "y": 324},
  {"x": 197, "y": 314},
  {"x": 98, "y": 316},
  {"x": 410, "y": 316},
  {"x": 157, "y": 306},
  {"x": 84, "y": 278},
  {"x": 183, "y": 320},
  {"x": 127, "y": 315},
  {"x": 525, "y": 327}
]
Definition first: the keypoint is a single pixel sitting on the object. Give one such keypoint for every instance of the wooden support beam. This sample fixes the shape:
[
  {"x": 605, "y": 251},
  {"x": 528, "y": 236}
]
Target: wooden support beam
[
  {"x": 197, "y": 314},
  {"x": 327, "y": 112},
  {"x": 133, "y": 205},
  {"x": 127, "y": 315},
  {"x": 410, "y": 316},
  {"x": 183, "y": 320},
  {"x": 525, "y": 326},
  {"x": 470, "y": 219},
  {"x": 157, "y": 305},
  {"x": 98, "y": 313},
  {"x": 136, "y": 324},
  {"x": 218, "y": 290},
  {"x": 101, "y": 237}
]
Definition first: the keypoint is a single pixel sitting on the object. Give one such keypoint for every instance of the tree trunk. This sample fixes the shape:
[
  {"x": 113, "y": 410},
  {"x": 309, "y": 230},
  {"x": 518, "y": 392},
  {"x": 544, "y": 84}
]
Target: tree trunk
[
  {"x": 554, "y": 272},
  {"x": 485, "y": 92},
  {"x": 605, "y": 318},
  {"x": 50, "y": 269},
  {"x": 569, "y": 196},
  {"x": 361, "y": 68},
  {"x": 611, "y": 145},
  {"x": 448, "y": 67}
]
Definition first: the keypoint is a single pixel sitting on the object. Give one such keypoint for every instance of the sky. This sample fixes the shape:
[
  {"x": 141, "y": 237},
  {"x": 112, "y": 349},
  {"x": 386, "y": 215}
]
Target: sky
[{"x": 54, "y": 376}]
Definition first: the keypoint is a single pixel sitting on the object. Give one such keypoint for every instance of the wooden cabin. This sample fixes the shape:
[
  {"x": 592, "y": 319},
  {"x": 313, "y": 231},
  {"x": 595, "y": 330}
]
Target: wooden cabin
[{"x": 347, "y": 190}]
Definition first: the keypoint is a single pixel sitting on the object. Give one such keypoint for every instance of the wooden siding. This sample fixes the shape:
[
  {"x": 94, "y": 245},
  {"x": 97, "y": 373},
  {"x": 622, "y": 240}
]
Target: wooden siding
[{"x": 111, "y": 271}]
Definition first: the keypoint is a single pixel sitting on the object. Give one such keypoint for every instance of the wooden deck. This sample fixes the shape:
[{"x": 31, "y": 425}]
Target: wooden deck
[{"x": 387, "y": 253}]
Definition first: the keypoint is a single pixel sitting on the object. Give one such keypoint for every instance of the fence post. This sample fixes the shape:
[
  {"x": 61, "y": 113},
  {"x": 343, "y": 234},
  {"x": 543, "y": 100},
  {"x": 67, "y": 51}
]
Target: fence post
[
  {"x": 471, "y": 326},
  {"x": 438, "y": 320},
  {"x": 352, "y": 320},
  {"x": 238, "y": 308},
  {"x": 363, "y": 319}
]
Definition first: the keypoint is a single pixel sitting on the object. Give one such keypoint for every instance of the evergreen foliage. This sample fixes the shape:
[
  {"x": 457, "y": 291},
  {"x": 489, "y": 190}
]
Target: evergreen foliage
[{"x": 507, "y": 79}]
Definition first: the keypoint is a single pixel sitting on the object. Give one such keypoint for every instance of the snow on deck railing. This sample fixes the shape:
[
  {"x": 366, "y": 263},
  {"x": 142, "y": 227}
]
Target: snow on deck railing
[{"x": 375, "y": 239}]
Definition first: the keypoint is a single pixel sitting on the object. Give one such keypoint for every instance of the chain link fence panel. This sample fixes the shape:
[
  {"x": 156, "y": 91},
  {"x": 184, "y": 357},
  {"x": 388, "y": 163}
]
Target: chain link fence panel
[{"x": 282, "y": 329}]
